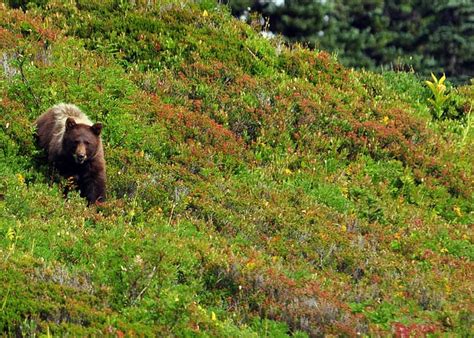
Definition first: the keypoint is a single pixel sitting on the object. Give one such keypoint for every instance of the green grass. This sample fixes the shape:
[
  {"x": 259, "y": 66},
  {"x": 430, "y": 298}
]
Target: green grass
[{"x": 256, "y": 189}]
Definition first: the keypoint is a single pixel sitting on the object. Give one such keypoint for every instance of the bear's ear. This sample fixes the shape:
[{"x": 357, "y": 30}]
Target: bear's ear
[
  {"x": 70, "y": 123},
  {"x": 97, "y": 128}
]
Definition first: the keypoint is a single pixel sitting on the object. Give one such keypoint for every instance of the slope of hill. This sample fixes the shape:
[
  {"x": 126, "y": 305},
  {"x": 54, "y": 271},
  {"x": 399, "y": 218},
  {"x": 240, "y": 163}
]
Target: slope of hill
[{"x": 255, "y": 188}]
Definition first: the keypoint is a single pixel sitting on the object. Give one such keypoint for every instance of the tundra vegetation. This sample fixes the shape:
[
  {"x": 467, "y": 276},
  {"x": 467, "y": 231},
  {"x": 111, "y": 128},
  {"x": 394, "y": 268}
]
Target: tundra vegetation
[{"x": 255, "y": 188}]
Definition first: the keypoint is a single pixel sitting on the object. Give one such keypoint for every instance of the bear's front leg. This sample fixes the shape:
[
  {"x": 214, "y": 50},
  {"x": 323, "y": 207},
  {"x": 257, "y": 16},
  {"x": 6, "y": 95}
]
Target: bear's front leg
[{"x": 92, "y": 187}]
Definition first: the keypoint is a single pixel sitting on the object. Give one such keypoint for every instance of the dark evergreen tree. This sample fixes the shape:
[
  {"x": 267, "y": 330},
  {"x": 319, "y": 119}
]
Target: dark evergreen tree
[
  {"x": 298, "y": 20},
  {"x": 357, "y": 31},
  {"x": 450, "y": 41},
  {"x": 426, "y": 35}
]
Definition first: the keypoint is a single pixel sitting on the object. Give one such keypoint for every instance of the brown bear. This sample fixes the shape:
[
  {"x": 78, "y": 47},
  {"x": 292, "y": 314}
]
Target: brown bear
[{"x": 74, "y": 147}]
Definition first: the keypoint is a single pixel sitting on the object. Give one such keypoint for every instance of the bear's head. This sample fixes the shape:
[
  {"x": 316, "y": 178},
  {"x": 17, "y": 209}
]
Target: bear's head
[{"x": 81, "y": 141}]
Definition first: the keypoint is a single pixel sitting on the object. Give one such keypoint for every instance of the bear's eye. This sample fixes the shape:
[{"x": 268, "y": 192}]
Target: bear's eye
[{"x": 87, "y": 143}]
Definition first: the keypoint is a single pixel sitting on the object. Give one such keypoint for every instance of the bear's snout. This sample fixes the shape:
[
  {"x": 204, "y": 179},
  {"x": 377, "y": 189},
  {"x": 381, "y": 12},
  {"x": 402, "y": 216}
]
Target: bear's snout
[
  {"x": 80, "y": 158},
  {"x": 81, "y": 154}
]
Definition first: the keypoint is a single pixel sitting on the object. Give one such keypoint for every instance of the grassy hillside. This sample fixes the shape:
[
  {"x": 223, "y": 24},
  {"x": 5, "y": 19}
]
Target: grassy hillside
[{"x": 256, "y": 189}]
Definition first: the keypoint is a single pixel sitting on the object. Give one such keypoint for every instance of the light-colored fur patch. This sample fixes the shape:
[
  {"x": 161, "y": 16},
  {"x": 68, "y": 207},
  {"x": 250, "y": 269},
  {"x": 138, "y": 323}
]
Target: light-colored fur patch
[{"x": 61, "y": 112}]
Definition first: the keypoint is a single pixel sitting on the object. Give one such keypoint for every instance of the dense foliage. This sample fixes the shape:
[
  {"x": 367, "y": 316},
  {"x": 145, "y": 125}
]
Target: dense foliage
[
  {"x": 255, "y": 189},
  {"x": 429, "y": 36}
]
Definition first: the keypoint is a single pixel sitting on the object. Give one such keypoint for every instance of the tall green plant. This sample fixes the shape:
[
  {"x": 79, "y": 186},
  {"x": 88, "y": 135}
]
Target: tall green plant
[{"x": 439, "y": 97}]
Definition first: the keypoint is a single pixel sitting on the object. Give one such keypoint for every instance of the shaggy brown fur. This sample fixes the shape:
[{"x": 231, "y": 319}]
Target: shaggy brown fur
[{"x": 74, "y": 147}]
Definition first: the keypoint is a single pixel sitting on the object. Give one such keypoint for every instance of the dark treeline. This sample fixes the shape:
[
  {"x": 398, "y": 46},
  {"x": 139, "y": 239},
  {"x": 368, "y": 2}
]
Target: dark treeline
[{"x": 427, "y": 36}]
